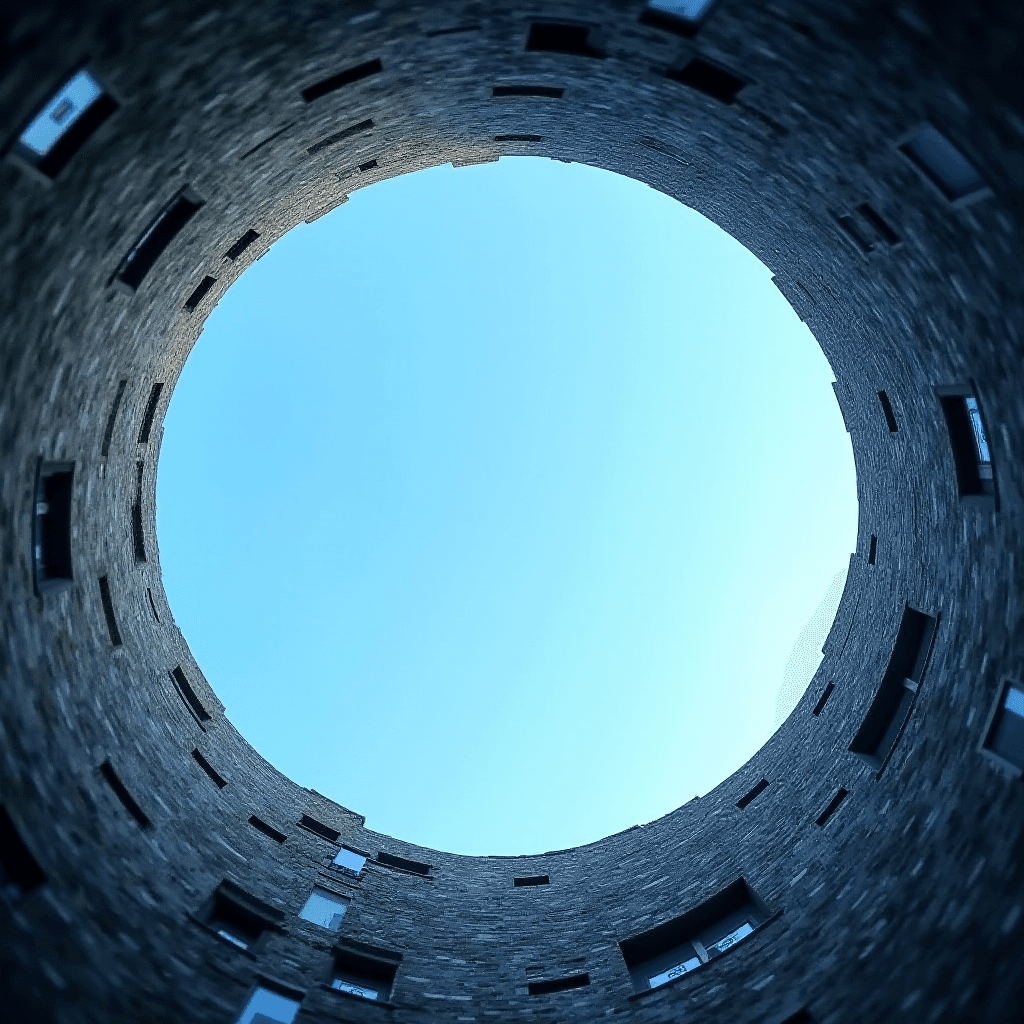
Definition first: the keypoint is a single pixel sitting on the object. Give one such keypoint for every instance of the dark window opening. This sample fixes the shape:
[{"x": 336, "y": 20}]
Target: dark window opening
[
  {"x": 518, "y": 138},
  {"x": 972, "y": 457},
  {"x": 878, "y": 224},
  {"x": 532, "y": 880},
  {"x": 150, "y": 414},
  {"x": 20, "y": 869},
  {"x": 680, "y": 16},
  {"x": 199, "y": 292},
  {"x": 108, "y": 611},
  {"x": 268, "y": 830},
  {"x": 846, "y": 222},
  {"x": 571, "y": 39},
  {"x": 189, "y": 697},
  {"x": 364, "y": 971},
  {"x": 218, "y": 780},
  {"x": 64, "y": 123},
  {"x": 944, "y": 165},
  {"x": 750, "y": 797},
  {"x": 548, "y": 91},
  {"x": 800, "y": 1017},
  {"x": 121, "y": 792},
  {"x": 51, "y": 523},
  {"x": 242, "y": 244},
  {"x": 823, "y": 699},
  {"x": 138, "y": 534},
  {"x": 368, "y": 166},
  {"x": 685, "y": 943},
  {"x": 890, "y": 418},
  {"x": 152, "y": 603},
  {"x": 541, "y": 988},
  {"x": 709, "y": 79},
  {"x": 452, "y": 31},
  {"x": 108, "y": 432},
  {"x": 891, "y": 706},
  {"x": 325, "y": 831},
  {"x": 155, "y": 239},
  {"x": 873, "y": 550},
  {"x": 833, "y": 806},
  {"x": 343, "y": 78},
  {"x": 1004, "y": 737},
  {"x": 345, "y": 133},
  {"x": 391, "y": 861},
  {"x": 239, "y": 917}
]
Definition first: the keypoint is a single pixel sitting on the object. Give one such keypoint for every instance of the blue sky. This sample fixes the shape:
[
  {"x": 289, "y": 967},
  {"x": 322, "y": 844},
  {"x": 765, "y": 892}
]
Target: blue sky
[{"x": 492, "y": 503}]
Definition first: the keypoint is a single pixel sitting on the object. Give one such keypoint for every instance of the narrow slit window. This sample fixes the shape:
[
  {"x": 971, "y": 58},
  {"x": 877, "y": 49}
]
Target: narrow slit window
[
  {"x": 163, "y": 229},
  {"x": 51, "y": 524},
  {"x": 324, "y": 908},
  {"x": 343, "y": 78},
  {"x": 873, "y": 550},
  {"x": 268, "y": 830},
  {"x": 391, "y": 861},
  {"x": 853, "y": 232},
  {"x": 319, "y": 828},
  {"x": 350, "y": 860},
  {"x": 1004, "y": 737},
  {"x": 823, "y": 699},
  {"x": 748, "y": 798},
  {"x": 239, "y": 917},
  {"x": 121, "y": 792},
  {"x": 546, "y": 91},
  {"x": 345, "y": 133},
  {"x": 108, "y": 611},
  {"x": 368, "y": 166},
  {"x": 833, "y": 806},
  {"x": 890, "y": 417},
  {"x": 710, "y": 79},
  {"x": 800, "y": 1017},
  {"x": 531, "y": 880},
  {"x": 944, "y": 165},
  {"x": 548, "y": 37},
  {"x": 152, "y": 603},
  {"x": 893, "y": 701},
  {"x": 518, "y": 138},
  {"x": 972, "y": 457},
  {"x": 189, "y": 697},
  {"x": 684, "y": 944},
  {"x": 68, "y": 118},
  {"x": 242, "y": 244},
  {"x": 541, "y": 988},
  {"x": 364, "y": 971},
  {"x": 150, "y": 414},
  {"x": 214, "y": 776},
  {"x": 878, "y": 224},
  {"x": 108, "y": 432},
  {"x": 680, "y": 16},
  {"x": 199, "y": 292},
  {"x": 267, "y": 1006},
  {"x": 20, "y": 870}
]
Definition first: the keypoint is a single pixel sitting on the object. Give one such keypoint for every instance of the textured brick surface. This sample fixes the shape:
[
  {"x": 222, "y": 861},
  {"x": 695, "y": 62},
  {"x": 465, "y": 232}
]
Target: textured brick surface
[{"x": 909, "y": 903}]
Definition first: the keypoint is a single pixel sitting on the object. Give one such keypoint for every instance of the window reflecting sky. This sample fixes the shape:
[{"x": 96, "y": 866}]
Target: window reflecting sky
[{"x": 492, "y": 503}]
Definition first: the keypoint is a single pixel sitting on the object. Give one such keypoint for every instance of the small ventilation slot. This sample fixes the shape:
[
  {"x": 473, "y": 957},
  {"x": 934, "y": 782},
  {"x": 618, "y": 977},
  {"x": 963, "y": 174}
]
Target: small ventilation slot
[
  {"x": 199, "y": 293},
  {"x": 121, "y": 792},
  {"x": 749, "y": 798},
  {"x": 152, "y": 604},
  {"x": 452, "y": 31},
  {"x": 19, "y": 866},
  {"x": 52, "y": 526},
  {"x": 319, "y": 828},
  {"x": 823, "y": 699},
  {"x": 709, "y": 79},
  {"x": 518, "y": 138},
  {"x": 155, "y": 239},
  {"x": 833, "y": 806},
  {"x": 188, "y": 696},
  {"x": 108, "y": 612},
  {"x": 343, "y": 78},
  {"x": 368, "y": 166},
  {"x": 147, "y": 420},
  {"x": 890, "y": 418},
  {"x": 138, "y": 534},
  {"x": 532, "y": 880},
  {"x": 213, "y": 774},
  {"x": 108, "y": 432},
  {"x": 873, "y": 550},
  {"x": 541, "y": 988},
  {"x": 570, "y": 39},
  {"x": 345, "y": 133},
  {"x": 267, "y": 830},
  {"x": 546, "y": 91},
  {"x": 391, "y": 861},
  {"x": 242, "y": 244}
]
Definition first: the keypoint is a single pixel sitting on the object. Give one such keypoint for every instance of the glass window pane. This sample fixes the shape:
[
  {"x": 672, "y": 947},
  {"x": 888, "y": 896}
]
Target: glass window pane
[
  {"x": 225, "y": 934},
  {"x": 60, "y": 113},
  {"x": 324, "y": 908},
  {"x": 356, "y": 990},
  {"x": 979, "y": 431},
  {"x": 732, "y": 938},
  {"x": 271, "y": 1006},
  {"x": 950, "y": 169},
  {"x": 1014, "y": 701},
  {"x": 689, "y": 9},
  {"x": 350, "y": 860},
  {"x": 674, "y": 972}
]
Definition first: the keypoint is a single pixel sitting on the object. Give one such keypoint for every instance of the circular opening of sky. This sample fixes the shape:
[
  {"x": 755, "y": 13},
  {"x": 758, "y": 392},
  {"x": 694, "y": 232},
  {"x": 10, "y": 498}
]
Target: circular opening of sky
[{"x": 492, "y": 503}]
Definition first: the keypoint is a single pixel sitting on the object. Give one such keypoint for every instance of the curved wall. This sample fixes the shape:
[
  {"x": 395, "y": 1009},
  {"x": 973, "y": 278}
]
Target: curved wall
[{"x": 906, "y": 902}]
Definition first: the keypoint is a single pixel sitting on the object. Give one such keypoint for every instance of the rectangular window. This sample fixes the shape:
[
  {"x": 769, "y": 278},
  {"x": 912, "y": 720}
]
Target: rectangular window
[
  {"x": 572, "y": 39},
  {"x": 189, "y": 697},
  {"x": 532, "y": 880},
  {"x": 343, "y": 78},
  {"x": 214, "y": 775},
  {"x": 67, "y": 119},
  {"x": 319, "y": 828},
  {"x": 350, "y": 860},
  {"x": 242, "y": 244},
  {"x": 21, "y": 871},
  {"x": 239, "y": 917},
  {"x": 750, "y": 797},
  {"x": 121, "y": 792},
  {"x": 546, "y": 91},
  {"x": 710, "y": 79},
  {"x": 1004, "y": 736},
  {"x": 51, "y": 526},
  {"x": 268, "y": 1006},
  {"x": 890, "y": 418},
  {"x": 972, "y": 457},
  {"x": 162, "y": 230},
  {"x": 268, "y": 830},
  {"x": 324, "y": 908},
  {"x": 345, "y": 133},
  {"x": 680, "y": 16},
  {"x": 891, "y": 706},
  {"x": 391, "y": 861},
  {"x": 873, "y": 550},
  {"x": 364, "y": 971},
  {"x": 685, "y": 943},
  {"x": 833, "y": 806},
  {"x": 108, "y": 433},
  {"x": 199, "y": 292},
  {"x": 823, "y": 699},
  {"x": 944, "y": 165},
  {"x": 541, "y": 988},
  {"x": 108, "y": 611}
]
